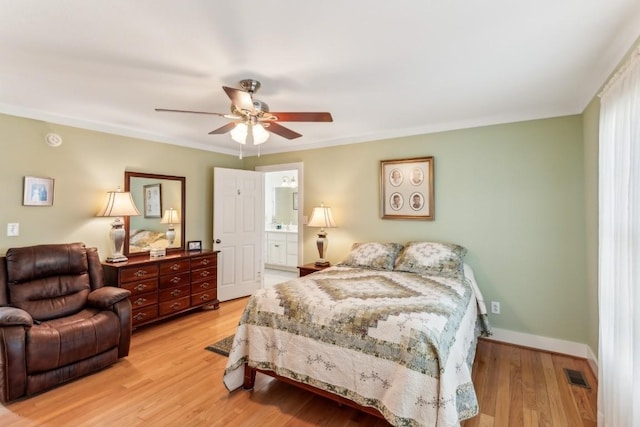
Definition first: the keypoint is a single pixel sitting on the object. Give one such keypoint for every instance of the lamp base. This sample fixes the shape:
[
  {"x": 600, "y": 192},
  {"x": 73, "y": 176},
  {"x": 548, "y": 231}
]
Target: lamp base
[{"x": 321, "y": 263}]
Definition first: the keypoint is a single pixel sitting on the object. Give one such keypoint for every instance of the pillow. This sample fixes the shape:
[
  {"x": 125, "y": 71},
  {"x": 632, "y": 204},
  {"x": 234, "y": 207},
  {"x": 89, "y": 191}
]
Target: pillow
[
  {"x": 380, "y": 256},
  {"x": 444, "y": 259}
]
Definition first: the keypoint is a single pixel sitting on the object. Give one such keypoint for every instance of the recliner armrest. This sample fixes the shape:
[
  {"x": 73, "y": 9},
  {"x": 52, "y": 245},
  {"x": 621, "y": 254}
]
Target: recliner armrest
[
  {"x": 11, "y": 316},
  {"x": 107, "y": 296}
]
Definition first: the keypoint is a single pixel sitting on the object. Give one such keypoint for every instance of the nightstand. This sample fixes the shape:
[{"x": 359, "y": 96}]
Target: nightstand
[{"x": 310, "y": 268}]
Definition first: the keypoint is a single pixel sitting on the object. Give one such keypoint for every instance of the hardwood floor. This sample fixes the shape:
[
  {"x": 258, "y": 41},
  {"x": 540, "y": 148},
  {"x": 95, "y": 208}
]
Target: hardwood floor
[{"x": 170, "y": 380}]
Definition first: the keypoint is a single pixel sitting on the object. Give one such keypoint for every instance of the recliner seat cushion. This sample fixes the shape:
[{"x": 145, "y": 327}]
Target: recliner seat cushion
[{"x": 60, "y": 342}]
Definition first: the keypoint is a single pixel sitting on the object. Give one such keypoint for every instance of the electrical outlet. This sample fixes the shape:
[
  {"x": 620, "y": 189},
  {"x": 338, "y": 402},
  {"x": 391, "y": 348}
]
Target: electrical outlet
[
  {"x": 13, "y": 229},
  {"x": 495, "y": 307}
]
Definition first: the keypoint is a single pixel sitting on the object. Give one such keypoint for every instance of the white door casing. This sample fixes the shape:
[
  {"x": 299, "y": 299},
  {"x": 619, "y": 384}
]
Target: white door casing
[{"x": 238, "y": 231}]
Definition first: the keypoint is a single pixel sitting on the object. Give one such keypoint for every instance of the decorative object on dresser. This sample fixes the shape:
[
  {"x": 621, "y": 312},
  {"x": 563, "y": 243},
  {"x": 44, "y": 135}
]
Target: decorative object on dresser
[
  {"x": 170, "y": 217},
  {"x": 406, "y": 189},
  {"x": 119, "y": 204},
  {"x": 161, "y": 288},
  {"x": 323, "y": 218},
  {"x": 194, "y": 245},
  {"x": 58, "y": 320}
]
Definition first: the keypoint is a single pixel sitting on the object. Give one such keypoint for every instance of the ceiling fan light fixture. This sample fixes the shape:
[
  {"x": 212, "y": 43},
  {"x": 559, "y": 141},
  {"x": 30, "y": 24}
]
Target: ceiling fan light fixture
[
  {"x": 239, "y": 133},
  {"x": 260, "y": 134}
]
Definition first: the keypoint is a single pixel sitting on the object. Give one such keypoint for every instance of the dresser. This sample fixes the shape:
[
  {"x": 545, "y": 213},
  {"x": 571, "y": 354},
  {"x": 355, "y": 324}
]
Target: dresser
[{"x": 166, "y": 286}]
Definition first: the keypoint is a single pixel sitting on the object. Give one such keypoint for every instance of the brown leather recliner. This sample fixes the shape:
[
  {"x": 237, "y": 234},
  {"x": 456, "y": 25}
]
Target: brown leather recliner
[{"x": 57, "y": 319}]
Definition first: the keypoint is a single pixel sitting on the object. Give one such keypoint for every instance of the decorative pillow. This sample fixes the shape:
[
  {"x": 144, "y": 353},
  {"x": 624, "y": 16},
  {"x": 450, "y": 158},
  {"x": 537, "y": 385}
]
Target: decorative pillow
[
  {"x": 380, "y": 256},
  {"x": 444, "y": 259}
]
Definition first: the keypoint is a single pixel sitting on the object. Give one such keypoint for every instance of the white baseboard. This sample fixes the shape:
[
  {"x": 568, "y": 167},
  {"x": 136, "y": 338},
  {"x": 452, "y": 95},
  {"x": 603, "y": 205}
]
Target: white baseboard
[{"x": 548, "y": 344}]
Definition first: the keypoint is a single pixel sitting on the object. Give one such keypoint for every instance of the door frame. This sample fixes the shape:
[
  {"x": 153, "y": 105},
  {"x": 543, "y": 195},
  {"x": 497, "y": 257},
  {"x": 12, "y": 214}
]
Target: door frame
[{"x": 298, "y": 166}]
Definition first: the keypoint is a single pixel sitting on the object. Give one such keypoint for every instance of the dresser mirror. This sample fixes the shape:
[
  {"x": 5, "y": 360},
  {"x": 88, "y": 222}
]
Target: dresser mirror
[{"x": 161, "y": 223}]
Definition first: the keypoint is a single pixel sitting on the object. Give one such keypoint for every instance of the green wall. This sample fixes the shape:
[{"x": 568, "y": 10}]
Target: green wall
[
  {"x": 85, "y": 167},
  {"x": 512, "y": 194}
]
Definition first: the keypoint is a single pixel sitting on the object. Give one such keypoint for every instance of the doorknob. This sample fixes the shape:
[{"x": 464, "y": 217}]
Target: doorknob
[{"x": 218, "y": 241}]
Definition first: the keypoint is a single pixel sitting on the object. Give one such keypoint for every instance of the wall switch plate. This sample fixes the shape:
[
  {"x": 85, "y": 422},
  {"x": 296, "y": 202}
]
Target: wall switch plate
[
  {"x": 495, "y": 307},
  {"x": 13, "y": 229}
]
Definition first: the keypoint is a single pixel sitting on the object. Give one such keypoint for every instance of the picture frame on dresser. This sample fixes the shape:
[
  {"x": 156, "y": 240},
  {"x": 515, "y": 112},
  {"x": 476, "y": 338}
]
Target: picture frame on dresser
[{"x": 194, "y": 245}]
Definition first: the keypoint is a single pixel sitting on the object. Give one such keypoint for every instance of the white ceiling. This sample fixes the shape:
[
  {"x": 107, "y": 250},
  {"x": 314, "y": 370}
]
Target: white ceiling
[{"x": 383, "y": 69}]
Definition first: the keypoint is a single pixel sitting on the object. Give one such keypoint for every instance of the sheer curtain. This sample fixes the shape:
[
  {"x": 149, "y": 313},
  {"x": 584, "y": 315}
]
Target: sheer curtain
[{"x": 619, "y": 247}]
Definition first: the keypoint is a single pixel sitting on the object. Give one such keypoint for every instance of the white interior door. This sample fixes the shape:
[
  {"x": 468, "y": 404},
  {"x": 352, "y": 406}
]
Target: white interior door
[{"x": 238, "y": 230}]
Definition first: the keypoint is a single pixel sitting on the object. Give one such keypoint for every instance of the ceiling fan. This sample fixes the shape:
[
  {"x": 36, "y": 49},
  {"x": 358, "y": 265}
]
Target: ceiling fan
[{"x": 251, "y": 119}]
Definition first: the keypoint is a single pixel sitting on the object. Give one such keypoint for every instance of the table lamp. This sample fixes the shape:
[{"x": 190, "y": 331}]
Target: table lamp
[
  {"x": 170, "y": 217},
  {"x": 119, "y": 204},
  {"x": 323, "y": 218}
]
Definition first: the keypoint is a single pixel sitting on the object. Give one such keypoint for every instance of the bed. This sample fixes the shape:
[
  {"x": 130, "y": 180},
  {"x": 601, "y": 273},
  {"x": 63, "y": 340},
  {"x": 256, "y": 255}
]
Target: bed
[{"x": 392, "y": 330}]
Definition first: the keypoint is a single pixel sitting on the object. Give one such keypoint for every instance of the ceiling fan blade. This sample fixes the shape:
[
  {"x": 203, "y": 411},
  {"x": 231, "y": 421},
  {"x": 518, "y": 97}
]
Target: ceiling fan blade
[
  {"x": 281, "y": 130},
  {"x": 301, "y": 117},
  {"x": 223, "y": 129},
  {"x": 188, "y": 111},
  {"x": 241, "y": 99}
]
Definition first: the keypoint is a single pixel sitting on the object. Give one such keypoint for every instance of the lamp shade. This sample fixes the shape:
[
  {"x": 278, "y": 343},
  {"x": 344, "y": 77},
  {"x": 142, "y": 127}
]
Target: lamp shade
[
  {"x": 240, "y": 132},
  {"x": 322, "y": 217},
  {"x": 118, "y": 204},
  {"x": 170, "y": 217}
]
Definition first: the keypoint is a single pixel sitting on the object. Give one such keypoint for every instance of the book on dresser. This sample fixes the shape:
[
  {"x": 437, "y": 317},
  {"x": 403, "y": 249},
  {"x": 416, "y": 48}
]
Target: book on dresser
[{"x": 166, "y": 286}]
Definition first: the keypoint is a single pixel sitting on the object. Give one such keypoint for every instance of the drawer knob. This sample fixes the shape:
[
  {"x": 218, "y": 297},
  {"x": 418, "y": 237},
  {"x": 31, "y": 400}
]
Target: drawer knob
[
  {"x": 140, "y": 273},
  {"x": 176, "y": 280},
  {"x": 205, "y": 262},
  {"x": 140, "y": 301},
  {"x": 204, "y": 285},
  {"x": 175, "y": 267},
  {"x": 175, "y": 306},
  {"x": 204, "y": 274},
  {"x": 140, "y": 287},
  {"x": 204, "y": 297},
  {"x": 140, "y": 316},
  {"x": 175, "y": 292}
]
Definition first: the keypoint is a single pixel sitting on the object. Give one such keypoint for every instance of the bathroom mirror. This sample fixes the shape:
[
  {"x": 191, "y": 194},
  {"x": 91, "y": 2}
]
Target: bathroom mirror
[{"x": 161, "y": 223}]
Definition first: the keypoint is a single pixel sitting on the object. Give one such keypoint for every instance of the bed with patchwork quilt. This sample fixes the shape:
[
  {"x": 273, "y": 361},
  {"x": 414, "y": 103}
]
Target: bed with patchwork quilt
[{"x": 392, "y": 329}]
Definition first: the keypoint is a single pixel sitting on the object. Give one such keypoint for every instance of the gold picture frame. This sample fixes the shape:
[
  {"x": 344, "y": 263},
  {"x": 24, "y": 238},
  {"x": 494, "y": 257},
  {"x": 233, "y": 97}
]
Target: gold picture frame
[
  {"x": 406, "y": 189},
  {"x": 38, "y": 191}
]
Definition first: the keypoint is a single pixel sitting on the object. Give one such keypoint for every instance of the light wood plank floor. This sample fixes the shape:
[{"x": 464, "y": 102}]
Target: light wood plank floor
[{"x": 170, "y": 380}]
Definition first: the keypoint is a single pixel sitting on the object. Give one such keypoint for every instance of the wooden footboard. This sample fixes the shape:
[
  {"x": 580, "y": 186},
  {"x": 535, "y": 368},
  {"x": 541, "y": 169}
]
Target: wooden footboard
[{"x": 250, "y": 378}]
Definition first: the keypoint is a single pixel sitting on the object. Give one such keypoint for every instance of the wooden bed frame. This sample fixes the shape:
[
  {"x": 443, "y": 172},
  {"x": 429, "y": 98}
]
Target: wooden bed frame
[{"x": 250, "y": 378}]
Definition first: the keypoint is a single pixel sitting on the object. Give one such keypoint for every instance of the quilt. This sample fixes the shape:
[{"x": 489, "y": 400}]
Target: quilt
[{"x": 400, "y": 342}]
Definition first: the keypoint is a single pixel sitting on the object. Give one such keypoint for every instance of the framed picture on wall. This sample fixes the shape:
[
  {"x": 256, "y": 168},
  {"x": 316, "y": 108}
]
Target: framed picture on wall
[
  {"x": 38, "y": 191},
  {"x": 152, "y": 201},
  {"x": 406, "y": 189}
]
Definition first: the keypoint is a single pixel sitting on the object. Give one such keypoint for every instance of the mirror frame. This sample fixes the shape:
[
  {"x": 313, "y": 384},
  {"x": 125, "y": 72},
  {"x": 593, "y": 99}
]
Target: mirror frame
[{"x": 127, "y": 224}]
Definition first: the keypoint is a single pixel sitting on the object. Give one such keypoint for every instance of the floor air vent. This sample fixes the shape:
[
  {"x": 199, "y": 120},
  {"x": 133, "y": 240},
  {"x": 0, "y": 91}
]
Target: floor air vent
[{"x": 576, "y": 378}]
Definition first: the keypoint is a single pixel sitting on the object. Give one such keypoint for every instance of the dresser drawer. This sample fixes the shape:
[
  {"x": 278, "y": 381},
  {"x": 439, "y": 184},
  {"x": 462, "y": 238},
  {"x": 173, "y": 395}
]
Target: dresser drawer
[
  {"x": 137, "y": 273},
  {"x": 144, "y": 314},
  {"x": 204, "y": 261},
  {"x": 174, "y": 280},
  {"x": 144, "y": 300},
  {"x": 173, "y": 293},
  {"x": 174, "y": 306},
  {"x": 204, "y": 297},
  {"x": 171, "y": 267},
  {"x": 141, "y": 286},
  {"x": 202, "y": 286},
  {"x": 203, "y": 274}
]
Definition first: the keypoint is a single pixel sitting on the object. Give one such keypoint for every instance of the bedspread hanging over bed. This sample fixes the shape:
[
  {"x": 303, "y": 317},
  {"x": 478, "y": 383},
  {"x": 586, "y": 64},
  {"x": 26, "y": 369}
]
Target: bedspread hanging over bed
[{"x": 400, "y": 342}]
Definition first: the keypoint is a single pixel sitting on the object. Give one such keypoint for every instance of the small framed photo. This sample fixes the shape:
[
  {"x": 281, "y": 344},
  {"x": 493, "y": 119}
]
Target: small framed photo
[
  {"x": 152, "y": 201},
  {"x": 194, "y": 245},
  {"x": 38, "y": 191},
  {"x": 406, "y": 189}
]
